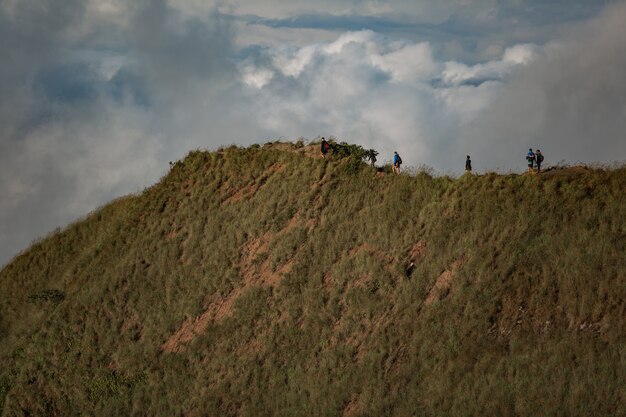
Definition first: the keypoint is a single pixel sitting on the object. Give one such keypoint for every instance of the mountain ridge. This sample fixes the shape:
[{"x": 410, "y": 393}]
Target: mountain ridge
[{"x": 261, "y": 281}]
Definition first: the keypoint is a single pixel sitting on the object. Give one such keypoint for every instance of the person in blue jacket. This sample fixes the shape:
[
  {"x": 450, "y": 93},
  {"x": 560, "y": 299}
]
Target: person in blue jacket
[
  {"x": 397, "y": 161},
  {"x": 530, "y": 158}
]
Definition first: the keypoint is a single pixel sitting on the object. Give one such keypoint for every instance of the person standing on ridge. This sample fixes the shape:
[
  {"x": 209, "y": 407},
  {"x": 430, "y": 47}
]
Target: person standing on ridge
[
  {"x": 324, "y": 148},
  {"x": 538, "y": 160},
  {"x": 468, "y": 165},
  {"x": 530, "y": 158},
  {"x": 397, "y": 161}
]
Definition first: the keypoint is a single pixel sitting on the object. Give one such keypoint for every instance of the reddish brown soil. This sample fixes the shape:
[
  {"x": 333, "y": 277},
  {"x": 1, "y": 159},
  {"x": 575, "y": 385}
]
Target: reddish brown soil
[
  {"x": 256, "y": 270},
  {"x": 444, "y": 284}
]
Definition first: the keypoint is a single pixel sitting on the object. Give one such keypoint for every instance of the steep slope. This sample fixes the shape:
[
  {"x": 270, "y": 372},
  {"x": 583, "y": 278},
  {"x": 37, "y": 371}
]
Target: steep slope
[{"x": 257, "y": 282}]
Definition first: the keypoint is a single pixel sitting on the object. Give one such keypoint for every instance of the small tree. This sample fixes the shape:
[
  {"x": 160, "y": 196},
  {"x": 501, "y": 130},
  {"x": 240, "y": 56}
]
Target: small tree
[
  {"x": 370, "y": 155},
  {"x": 355, "y": 153}
]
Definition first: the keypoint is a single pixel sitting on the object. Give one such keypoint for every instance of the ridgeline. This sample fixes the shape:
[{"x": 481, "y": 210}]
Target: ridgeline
[{"x": 266, "y": 282}]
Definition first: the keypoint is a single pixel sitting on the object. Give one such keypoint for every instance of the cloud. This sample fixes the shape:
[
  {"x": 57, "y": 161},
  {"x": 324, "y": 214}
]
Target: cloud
[
  {"x": 375, "y": 90},
  {"x": 456, "y": 73},
  {"x": 567, "y": 96},
  {"x": 91, "y": 112},
  {"x": 96, "y": 96},
  {"x": 570, "y": 102}
]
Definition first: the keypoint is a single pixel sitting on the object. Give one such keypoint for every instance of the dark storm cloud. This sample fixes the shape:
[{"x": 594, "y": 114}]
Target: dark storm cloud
[
  {"x": 472, "y": 26},
  {"x": 33, "y": 36},
  {"x": 173, "y": 47},
  {"x": 333, "y": 22}
]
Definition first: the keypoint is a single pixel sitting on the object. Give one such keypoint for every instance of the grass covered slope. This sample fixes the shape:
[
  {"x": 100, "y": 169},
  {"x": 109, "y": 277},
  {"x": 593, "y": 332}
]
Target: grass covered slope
[{"x": 257, "y": 282}]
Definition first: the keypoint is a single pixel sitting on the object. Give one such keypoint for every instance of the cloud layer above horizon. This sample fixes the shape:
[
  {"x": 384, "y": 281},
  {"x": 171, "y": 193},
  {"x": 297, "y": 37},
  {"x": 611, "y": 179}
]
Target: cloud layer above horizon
[{"x": 97, "y": 96}]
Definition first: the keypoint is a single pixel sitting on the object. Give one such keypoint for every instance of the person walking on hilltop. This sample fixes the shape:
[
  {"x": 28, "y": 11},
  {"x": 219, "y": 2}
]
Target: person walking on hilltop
[
  {"x": 397, "y": 161},
  {"x": 468, "y": 165},
  {"x": 538, "y": 160},
  {"x": 324, "y": 148},
  {"x": 530, "y": 158}
]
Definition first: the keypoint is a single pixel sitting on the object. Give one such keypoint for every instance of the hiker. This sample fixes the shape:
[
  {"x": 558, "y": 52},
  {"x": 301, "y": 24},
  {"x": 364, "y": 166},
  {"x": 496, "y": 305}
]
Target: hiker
[
  {"x": 538, "y": 160},
  {"x": 530, "y": 158},
  {"x": 468, "y": 165},
  {"x": 324, "y": 148},
  {"x": 397, "y": 161}
]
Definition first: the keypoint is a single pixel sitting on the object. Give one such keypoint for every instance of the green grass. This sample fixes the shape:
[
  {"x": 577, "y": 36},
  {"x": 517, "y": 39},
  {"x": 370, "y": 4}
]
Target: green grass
[{"x": 532, "y": 325}]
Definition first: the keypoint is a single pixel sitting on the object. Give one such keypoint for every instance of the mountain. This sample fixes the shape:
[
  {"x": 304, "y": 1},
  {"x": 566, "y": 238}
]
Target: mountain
[{"x": 266, "y": 281}]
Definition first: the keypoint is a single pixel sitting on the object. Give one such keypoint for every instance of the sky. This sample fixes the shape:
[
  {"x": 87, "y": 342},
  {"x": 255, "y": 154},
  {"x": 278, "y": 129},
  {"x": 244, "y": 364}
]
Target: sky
[{"x": 97, "y": 96}]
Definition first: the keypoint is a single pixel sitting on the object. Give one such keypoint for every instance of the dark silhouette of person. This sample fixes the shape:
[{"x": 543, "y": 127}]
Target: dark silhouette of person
[
  {"x": 324, "y": 148},
  {"x": 468, "y": 164}
]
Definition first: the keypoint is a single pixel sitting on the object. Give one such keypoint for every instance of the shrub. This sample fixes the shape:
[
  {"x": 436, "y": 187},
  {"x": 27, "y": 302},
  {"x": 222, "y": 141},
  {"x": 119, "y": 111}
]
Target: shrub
[{"x": 54, "y": 296}]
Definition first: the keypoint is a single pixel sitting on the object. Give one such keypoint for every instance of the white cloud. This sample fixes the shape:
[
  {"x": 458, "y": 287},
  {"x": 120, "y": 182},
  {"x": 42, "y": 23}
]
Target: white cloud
[
  {"x": 99, "y": 95},
  {"x": 520, "y": 54},
  {"x": 402, "y": 61},
  {"x": 377, "y": 91},
  {"x": 456, "y": 73},
  {"x": 254, "y": 76},
  {"x": 407, "y": 62},
  {"x": 291, "y": 61}
]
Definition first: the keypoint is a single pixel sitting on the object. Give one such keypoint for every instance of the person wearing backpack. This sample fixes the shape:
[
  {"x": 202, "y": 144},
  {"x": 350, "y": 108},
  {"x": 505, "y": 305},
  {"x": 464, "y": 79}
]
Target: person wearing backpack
[
  {"x": 324, "y": 148},
  {"x": 397, "y": 161},
  {"x": 538, "y": 160},
  {"x": 530, "y": 158}
]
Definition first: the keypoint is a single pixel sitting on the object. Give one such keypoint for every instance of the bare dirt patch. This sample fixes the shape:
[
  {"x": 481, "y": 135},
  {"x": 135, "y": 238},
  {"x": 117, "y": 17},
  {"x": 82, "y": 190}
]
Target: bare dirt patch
[
  {"x": 215, "y": 310},
  {"x": 362, "y": 281},
  {"x": 353, "y": 408},
  {"x": 370, "y": 249},
  {"x": 276, "y": 167},
  {"x": 244, "y": 193},
  {"x": 443, "y": 285},
  {"x": 186, "y": 332},
  {"x": 418, "y": 251},
  {"x": 327, "y": 281},
  {"x": 256, "y": 270}
]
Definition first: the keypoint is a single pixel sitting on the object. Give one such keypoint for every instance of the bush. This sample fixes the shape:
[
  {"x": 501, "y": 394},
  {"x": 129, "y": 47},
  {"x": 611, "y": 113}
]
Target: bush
[
  {"x": 54, "y": 296},
  {"x": 353, "y": 165}
]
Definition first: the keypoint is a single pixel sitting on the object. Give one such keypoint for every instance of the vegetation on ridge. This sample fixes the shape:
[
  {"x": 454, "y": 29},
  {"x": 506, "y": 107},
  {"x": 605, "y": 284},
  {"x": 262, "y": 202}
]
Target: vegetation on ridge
[{"x": 258, "y": 282}]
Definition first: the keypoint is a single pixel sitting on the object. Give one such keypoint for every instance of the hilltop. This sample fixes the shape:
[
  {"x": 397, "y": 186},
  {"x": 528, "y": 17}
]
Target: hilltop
[{"x": 266, "y": 281}]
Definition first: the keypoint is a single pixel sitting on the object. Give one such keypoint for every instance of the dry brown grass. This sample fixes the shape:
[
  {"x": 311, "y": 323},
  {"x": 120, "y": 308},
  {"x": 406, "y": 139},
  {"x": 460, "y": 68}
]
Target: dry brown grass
[{"x": 264, "y": 282}]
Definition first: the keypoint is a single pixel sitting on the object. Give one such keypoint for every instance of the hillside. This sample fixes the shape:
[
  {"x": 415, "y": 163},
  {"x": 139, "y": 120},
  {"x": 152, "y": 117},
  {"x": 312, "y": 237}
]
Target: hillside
[{"x": 265, "y": 282}]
